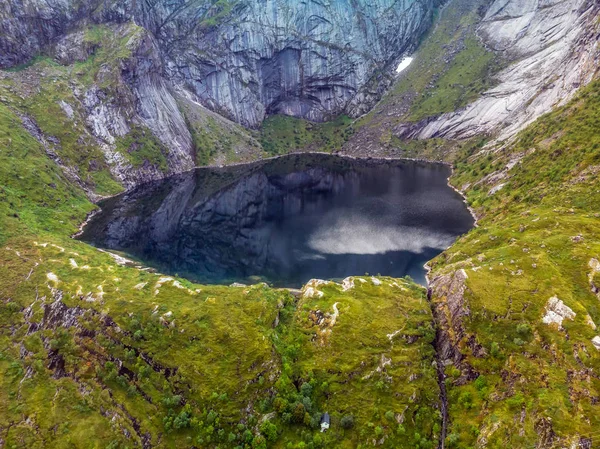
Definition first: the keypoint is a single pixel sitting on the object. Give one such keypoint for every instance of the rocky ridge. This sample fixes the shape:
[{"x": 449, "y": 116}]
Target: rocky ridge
[{"x": 553, "y": 46}]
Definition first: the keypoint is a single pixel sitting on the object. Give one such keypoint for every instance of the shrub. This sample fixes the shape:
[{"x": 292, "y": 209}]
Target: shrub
[
  {"x": 347, "y": 421},
  {"x": 269, "y": 430},
  {"x": 523, "y": 329}
]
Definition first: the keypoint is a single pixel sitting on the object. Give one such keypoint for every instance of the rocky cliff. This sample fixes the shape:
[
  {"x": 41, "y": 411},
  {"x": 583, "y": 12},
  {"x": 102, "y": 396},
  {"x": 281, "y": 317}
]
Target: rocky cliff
[
  {"x": 159, "y": 87},
  {"x": 244, "y": 59},
  {"x": 551, "y": 50},
  {"x": 308, "y": 59}
]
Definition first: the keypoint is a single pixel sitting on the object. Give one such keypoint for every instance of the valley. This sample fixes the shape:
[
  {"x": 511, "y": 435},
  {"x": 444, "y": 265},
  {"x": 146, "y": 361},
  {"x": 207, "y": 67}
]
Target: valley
[{"x": 499, "y": 350}]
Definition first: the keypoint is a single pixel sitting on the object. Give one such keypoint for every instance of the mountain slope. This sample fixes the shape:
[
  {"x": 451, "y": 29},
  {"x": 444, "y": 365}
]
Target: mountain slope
[
  {"x": 516, "y": 299},
  {"x": 100, "y": 353},
  {"x": 485, "y": 70}
]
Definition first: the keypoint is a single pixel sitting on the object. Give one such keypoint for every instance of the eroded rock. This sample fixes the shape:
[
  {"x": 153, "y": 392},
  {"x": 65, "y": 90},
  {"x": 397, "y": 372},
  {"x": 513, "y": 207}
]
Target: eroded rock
[{"x": 557, "y": 312}]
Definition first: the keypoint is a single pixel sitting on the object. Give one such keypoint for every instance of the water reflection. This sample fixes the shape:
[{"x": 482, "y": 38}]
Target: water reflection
[{"x": 288, "y": 220}]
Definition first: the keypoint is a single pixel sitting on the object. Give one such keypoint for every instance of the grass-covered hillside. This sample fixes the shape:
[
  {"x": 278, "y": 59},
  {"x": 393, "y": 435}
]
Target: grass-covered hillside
[
  {"x": 97, "y": 352},
  {"x": 281, "y": 135},
  {"x": 522, "y": 316}
]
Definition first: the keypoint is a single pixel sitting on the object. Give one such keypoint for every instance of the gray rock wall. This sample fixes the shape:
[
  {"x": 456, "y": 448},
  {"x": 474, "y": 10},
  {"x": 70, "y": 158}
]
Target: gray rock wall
[
  {"x": 554, "y": 48},
  {"x": 311, "y": 58}
]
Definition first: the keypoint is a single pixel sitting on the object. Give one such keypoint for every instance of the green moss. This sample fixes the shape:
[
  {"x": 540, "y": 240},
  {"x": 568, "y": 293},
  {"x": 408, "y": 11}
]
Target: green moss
[
  {"x": 218, "y": 11},
  {"x": 281, "y": 134},
  {"x": 36, "y": 60},
  {"x": 141, "y": 147}
]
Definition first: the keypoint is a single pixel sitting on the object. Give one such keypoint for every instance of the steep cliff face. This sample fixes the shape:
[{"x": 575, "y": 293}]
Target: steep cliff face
[
  {"x": 143, "y": 76},
  {"x": 553, "y": 50},
  {"x": 307, "y": 59},
  {"x": 243, "y": 58}
]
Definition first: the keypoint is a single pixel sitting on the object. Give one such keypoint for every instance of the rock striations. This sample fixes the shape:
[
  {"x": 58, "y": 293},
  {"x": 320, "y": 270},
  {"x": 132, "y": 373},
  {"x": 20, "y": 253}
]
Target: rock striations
[
  {"x": 553, "y": 49},
  {"x": 244, "y": 59}
]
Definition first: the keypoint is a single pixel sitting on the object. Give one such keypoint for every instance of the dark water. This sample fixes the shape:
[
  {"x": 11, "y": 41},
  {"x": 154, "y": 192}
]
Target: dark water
[{"x": 288, "y": 220}]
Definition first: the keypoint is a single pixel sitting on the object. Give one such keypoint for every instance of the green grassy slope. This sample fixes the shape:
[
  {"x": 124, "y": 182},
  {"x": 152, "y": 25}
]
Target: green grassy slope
[
  {"x": 101, "y": 354},
  {"x": 539, "y": 233},
  {"x": 280, "y": 134}
]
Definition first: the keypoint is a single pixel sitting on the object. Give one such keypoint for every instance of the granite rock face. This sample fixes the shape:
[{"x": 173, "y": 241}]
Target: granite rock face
[
  {"x": 553, "y": 46},
  {"x": 243, "y": 59},
  {"x": 311, "y": 59}
]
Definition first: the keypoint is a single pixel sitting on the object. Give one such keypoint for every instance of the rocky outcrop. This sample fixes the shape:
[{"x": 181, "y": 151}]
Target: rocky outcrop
[
  {"x": 553, "y": 48},
  {"x": 447, "y": 297},
  {"x": 243, "y": 59},
  {"x": 307, "y": 59},
  {"x": 556, "y": 312}
]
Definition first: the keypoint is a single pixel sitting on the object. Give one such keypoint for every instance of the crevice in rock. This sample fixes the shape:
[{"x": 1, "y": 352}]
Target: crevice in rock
[{"x": 441, "y": 378}]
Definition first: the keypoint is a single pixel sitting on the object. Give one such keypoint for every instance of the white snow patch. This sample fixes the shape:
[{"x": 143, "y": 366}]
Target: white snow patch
[
  {"x": 596, "y": 342},
  {"x": 404, "y": 64}
]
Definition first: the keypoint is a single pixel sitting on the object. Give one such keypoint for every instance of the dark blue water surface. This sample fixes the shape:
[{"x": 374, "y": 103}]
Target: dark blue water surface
[{"x": 287, "y": 220}]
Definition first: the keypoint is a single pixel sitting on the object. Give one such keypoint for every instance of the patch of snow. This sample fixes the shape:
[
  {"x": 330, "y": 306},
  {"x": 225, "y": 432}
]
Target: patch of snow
[
  {"x": 73, "y": 263},
  {"x": 404, "y": 64},
  {"x": 375, "y": 281},
  {"x": 52, "y": 277},
  {"x": 596, "y": 342}
]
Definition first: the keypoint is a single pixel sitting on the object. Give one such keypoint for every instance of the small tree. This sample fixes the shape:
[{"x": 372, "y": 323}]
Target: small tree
[{"x": 347, "y": 421}]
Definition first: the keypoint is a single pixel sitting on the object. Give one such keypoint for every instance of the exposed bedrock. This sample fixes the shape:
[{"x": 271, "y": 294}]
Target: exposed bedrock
[
  {"x": 244, "y": 59},
  {"x": 553, "y": 46}
]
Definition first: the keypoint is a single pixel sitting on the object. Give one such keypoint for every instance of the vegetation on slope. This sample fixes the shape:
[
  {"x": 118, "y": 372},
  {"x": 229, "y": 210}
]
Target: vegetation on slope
[
  {"x": 97, "y": 352},
  {"x": 281, "y": 134},
  {"x": 524, "y": 382},
  {"x": 141, "y": 147}
]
